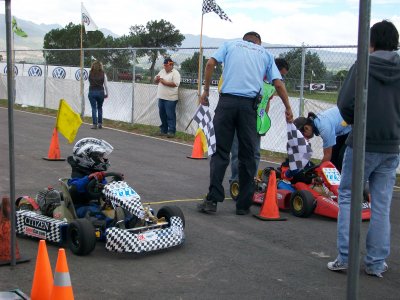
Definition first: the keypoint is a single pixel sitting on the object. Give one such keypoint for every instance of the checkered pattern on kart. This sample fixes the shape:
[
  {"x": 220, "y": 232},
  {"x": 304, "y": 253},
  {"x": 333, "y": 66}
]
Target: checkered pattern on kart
[
  {"x": 53, "y": 234},
  {"x": 298, "y": 148},
  {"x": 120, "y": 194},
  {"x": 121, "y": 240}
]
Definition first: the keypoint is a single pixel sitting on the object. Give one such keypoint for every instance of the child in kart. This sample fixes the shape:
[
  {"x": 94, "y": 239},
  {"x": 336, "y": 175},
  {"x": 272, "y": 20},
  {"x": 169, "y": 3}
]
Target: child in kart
[{"x": 88, "y": 162}]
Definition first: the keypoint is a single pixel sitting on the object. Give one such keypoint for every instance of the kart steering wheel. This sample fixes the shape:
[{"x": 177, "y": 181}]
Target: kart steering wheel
[
  {"x": 308, "y": 171},
  {"x": 93, "y": 188}
]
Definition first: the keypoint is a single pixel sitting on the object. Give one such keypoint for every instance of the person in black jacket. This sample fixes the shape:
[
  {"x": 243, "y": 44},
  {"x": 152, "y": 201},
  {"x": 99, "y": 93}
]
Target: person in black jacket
[
  {"x": 97, "y": 93},
  {"x": 381, "y": 148}
]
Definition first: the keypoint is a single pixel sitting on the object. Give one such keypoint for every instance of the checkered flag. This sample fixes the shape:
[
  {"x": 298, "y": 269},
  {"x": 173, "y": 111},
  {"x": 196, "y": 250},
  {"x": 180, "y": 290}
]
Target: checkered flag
[
  {"x": 298, "y": 148},
  {"x": 203, "y": 117},
  {"x": 211, "y": 5}
]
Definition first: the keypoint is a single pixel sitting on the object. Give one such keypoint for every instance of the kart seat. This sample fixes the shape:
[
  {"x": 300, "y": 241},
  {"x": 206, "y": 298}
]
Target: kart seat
[{"x": 67, "y": 196}]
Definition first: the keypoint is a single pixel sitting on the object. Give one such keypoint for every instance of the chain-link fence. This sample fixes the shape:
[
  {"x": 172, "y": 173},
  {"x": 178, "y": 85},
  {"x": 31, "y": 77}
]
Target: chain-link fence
[{"x": 43, "y": 77}]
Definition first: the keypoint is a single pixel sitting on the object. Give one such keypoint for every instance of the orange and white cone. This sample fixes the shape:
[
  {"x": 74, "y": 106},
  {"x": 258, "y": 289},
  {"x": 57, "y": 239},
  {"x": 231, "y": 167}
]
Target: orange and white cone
[
  {"x": 62, "y": 288},
  {"x": 42, "y": 284},
  {"x": 269, "y": 210}
]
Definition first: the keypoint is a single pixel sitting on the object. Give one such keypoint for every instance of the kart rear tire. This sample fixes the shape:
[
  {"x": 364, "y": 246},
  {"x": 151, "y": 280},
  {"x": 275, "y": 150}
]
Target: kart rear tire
[
  {"x": 81, "y": 237},
  {"x": 302, "y": 204},
  {"x": 234, "y": 189},
  {"x": 171, "y": 211}
]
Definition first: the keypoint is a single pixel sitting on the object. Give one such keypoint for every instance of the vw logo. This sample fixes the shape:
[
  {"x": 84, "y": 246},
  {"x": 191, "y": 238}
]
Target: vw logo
[
  {"x": 35, "y": 71},
  {"x": 78, "y": 75},
  {"x": 59, "y": 73},
  {"x": 85, "y": 19},
  {"x": 15, "y": 70}
]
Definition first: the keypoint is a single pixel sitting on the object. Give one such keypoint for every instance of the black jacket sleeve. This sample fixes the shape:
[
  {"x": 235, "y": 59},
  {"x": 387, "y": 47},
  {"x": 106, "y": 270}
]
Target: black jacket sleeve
[{"x": 347, "y": 95}]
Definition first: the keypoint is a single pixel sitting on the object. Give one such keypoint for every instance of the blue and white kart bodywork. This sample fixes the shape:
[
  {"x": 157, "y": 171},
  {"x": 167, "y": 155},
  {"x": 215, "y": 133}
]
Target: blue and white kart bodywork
[
  {"x": 149, "y": 232},
  {"x": 156, "y": 235}
]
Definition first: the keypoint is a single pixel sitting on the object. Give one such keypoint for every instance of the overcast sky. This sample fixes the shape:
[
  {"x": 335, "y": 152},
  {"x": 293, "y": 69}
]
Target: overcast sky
[{"x": 312, "y": 22}]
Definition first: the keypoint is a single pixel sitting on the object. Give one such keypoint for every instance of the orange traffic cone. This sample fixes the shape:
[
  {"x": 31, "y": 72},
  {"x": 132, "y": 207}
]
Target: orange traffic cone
[
  {"x": 269, "y": 210},
  {"x": 54, "y": 149},
  {"x": 42, "y": 284},
  {"x": 197, "y": 152},
  {"x": 5, "y": 235},
  {"x": 62, "y": 289}
]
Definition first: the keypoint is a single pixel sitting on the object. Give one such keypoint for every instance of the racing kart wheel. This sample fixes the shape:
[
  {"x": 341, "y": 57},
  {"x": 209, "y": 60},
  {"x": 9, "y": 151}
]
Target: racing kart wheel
[
  {"x": 234, "y": 189},
  {"x": 94, "y": 187}
]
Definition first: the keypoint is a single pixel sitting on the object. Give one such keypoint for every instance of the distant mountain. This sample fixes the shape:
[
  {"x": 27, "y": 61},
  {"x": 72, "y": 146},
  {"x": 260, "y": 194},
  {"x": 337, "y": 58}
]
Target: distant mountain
[{"x": 36, "y": 33}]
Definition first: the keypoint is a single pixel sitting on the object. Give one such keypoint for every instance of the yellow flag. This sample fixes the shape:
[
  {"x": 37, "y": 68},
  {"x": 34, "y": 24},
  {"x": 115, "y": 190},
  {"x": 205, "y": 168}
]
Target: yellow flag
[
  {"x": 68, "y": 121},
  {"x": 203, "y": 139}
]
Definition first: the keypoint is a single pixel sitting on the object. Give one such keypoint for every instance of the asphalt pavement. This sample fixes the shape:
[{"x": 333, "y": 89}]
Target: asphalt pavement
[{"x": 225, "y": 256}]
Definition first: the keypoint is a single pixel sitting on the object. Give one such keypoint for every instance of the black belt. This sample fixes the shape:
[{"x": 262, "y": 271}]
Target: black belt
[{"x": 236, "y": 96}]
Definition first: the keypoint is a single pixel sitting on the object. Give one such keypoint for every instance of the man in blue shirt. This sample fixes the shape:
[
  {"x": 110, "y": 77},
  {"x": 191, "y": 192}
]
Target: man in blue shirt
[
  {"x": 246, "y": 63},
  {"x": 333, "y": 130}
]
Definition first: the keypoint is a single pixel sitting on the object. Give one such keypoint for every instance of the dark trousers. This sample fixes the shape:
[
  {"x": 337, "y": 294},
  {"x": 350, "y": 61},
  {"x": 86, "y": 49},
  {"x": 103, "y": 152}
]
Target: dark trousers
[
  {"x": 167, "y": 111},
  {"x": 338, "y": 151},
  {"x": 96, "y": 99},
  {"x": 234, "y": 114}
]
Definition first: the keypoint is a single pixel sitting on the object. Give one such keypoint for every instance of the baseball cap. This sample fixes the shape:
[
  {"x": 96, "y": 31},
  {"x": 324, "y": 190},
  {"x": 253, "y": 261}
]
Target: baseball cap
[
  {"x": 168, "y": 61},
  {"x": 253, "y": 33},
  {"x": 300, "y": 122}
]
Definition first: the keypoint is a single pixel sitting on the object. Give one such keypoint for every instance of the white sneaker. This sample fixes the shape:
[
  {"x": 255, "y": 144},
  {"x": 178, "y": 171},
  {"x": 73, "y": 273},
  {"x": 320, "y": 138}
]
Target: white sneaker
[
  {"x": 336, "y": 266},
  {"x": 377, "y": 273}
]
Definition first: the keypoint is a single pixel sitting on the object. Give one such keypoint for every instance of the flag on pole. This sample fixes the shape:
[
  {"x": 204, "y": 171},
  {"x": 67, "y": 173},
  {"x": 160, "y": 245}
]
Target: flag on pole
[
  {"x": 87, "y": 20},
  {"x": 17, "y": 30},
  {"x": 211, "y": 5},
  {"x": 68, "y": 121},
  {"x": 298, "y": 148},
  {"x": 203, "y": 117}
]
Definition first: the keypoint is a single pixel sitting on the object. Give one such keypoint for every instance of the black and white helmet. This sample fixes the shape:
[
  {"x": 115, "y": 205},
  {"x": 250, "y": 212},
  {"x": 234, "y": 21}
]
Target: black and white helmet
[{"x": 91, "y": 153}]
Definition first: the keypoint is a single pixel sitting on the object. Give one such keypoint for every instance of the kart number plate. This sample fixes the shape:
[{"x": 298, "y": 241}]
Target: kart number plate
[
  {"x": 147, "y": 236},
  {"x": 125, "y": 192},
  {"x": 332, "y": 175}
]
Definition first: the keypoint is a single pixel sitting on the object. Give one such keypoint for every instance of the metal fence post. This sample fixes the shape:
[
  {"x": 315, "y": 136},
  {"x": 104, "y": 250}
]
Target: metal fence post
[
  {"x": 133, "y": 85},
  {"x": 303, "y": 67},
  {"x": 45, "y": 69},
  {"x": 82, "y": 79}
]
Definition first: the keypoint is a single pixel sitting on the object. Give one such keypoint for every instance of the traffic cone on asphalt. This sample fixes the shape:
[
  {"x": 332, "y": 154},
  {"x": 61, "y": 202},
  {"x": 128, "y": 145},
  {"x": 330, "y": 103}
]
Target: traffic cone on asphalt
[
  {"x": 62, "y": 289},
  {"x": 42, "y": 284},
  {"x": 5, "y": 236},
  {"x": 197, "y": 152},
  {"x": 269, "y": 210},
  {"x": 54, "y": 149}
]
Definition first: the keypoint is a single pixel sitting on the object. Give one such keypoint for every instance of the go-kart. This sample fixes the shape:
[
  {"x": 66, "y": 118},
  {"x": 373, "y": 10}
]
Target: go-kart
[
  {"x": 317, "y": 193},
  {"x": 122, "y": 221}
]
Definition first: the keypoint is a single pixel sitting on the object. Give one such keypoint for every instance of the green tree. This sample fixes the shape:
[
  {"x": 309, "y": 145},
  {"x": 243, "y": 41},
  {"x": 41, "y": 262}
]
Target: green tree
[
  {"x": 315, "y": 69},
  {"x": 340, "y": 75},
  {"x": 156, "y": 34},
  {"x": 69, "y": 38}
]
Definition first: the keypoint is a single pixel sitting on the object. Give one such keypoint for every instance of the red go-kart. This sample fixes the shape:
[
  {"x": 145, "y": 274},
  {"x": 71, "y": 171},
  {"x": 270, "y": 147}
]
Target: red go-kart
[{"x": 316, "y": 193}]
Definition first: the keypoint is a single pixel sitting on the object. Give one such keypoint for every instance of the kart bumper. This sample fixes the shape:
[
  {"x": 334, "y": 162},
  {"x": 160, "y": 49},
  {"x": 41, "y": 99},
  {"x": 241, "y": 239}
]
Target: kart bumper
[{"x": 122, "y": 240}]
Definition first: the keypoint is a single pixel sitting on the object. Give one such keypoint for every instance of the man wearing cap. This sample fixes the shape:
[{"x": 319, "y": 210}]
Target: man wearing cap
[
  {"x": 246, "y": 63},
  {"x": 168, "y": 80},
  {"x": 333, "y": 130}
]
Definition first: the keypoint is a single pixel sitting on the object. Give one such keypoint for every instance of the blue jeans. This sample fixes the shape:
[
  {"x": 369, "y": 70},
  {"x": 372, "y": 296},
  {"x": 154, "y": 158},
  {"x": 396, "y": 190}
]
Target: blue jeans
[
  {"x": 235, "y": 160},
  {"x": 167, "y": 113},
  {"x": 96, "y": 99},
  {"x": 380, "y": 171}
]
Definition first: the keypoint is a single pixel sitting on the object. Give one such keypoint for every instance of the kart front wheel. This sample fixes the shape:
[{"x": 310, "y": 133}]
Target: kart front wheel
[
  {"x": 302, "y": 204},
  {"x": 234, "y": 190},
  {"x": 81, "y": 237},
  {"x": 170, "y": 211}
]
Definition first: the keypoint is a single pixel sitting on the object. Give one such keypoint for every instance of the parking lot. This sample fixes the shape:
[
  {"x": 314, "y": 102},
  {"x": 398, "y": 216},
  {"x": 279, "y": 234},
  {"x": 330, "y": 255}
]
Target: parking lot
[{"x": 225, "y": 256}]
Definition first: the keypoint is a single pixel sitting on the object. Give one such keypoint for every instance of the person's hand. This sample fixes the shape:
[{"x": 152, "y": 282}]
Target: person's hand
[
  {"x": 105, "y": 96},
  {"x": 289, "y": 115},
  {"x": 99, "y": 176},
  {"x": 119, "y": 177},
  {"x": 204, "y": 98}
]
